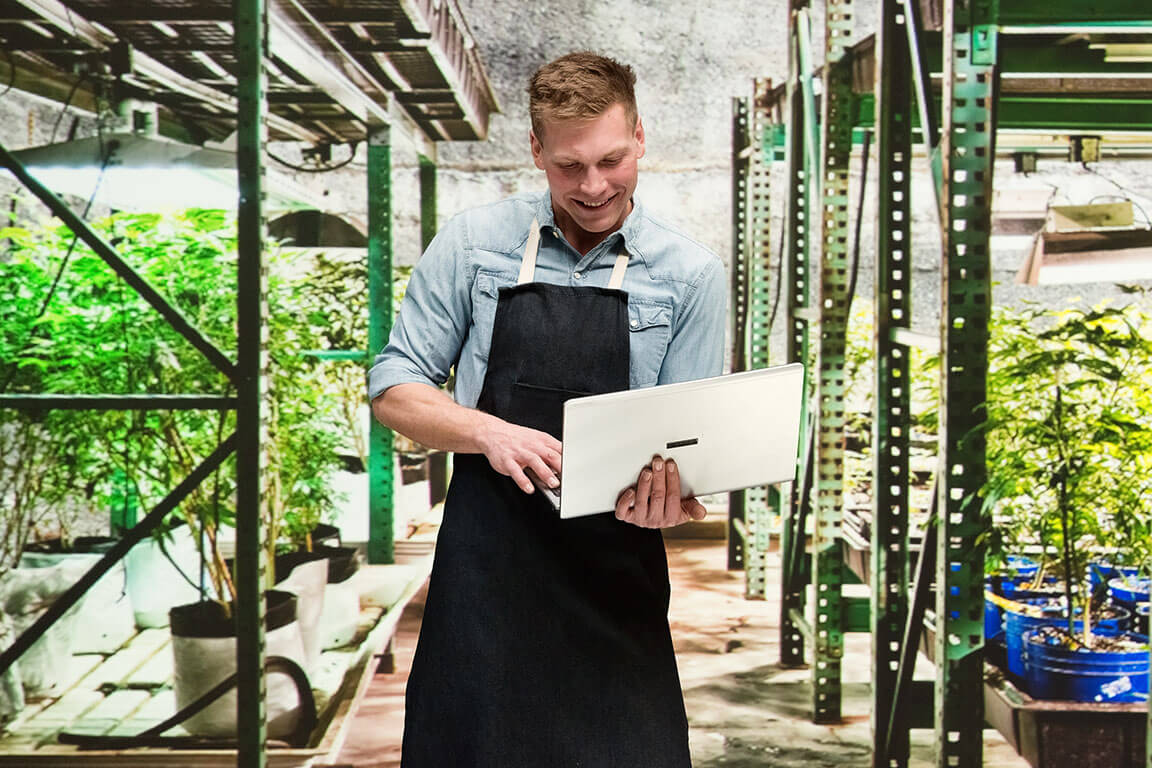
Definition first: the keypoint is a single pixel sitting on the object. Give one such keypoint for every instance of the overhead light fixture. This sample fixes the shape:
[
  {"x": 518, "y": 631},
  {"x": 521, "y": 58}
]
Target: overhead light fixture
[
  {"x": 138, "y": 172},
  {"x": 317, "y": 229},
  {"x": 1125, "y": 53}
]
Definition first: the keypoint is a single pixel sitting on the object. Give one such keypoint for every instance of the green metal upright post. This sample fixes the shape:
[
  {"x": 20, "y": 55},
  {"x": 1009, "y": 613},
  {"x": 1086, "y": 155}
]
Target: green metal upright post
[
  {"x": 251, "y": 132},
  {"x": 828, "y": 562},
  {"x": 438, "y": 473},
  {"x": 741, "y": 161},
  {"x": 892, "y": 310},
  {"x": 381, "y": 508},
  {"x": 796, "y": 299},
  {"x": 761, "y": 504},
  {"x": 428, "y": 223},
  {"x": 968, "y": 144}
]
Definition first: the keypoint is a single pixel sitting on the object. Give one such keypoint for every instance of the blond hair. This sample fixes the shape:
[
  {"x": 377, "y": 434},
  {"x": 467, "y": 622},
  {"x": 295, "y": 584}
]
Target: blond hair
[{"x": 580, "y": 86}]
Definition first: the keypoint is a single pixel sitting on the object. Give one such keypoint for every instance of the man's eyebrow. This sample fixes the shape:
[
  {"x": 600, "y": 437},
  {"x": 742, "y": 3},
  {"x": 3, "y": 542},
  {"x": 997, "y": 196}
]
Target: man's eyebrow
[{"x": 611, "y": 154}]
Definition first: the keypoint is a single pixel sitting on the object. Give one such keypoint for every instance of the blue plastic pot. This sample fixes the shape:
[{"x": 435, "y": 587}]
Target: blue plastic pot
[
  {"x": 1009, "y": 587},
  {"x": 1023, "y": 566},
  {"x": 1129, "y": 590},
  {"x": 1100, "y": 573},
  {"x": 1055, "y": 614},
  {"x": 1056, "y": 672}
]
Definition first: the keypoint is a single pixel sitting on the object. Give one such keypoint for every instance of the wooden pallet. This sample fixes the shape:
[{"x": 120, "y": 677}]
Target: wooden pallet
[{"x": 130, "y": 690}]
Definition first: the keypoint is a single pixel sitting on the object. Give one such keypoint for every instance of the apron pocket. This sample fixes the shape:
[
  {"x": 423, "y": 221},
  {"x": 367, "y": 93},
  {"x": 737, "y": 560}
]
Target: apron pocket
[{"x": 540, "y": 407}]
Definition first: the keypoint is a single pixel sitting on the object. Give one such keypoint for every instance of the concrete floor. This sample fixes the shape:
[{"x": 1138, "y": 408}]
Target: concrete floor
[{"x": 744, "y": 710}]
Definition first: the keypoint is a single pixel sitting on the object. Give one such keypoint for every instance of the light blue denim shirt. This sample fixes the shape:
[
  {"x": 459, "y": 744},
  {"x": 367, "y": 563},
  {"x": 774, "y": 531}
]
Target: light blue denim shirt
[{"x": 676, "y": 297}]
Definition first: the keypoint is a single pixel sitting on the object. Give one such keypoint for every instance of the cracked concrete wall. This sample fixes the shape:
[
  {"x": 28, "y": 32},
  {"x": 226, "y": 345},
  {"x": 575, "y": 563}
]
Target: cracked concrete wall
[{"x": 691, "y": 59}]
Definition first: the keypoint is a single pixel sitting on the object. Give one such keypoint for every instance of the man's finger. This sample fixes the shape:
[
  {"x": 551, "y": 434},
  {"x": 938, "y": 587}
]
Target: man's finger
[
  {"x": 553, "y": 459},
  {"x": 694, "y": 509},
  {"x": 643, "y": 490},
  {"x": 521, "y": 479},
  {"x": 673, "y": 511},
  {"x": 656, "y": 503},
  {"x": 542, "y": 471},
  {"x": 625, "y": 502}
]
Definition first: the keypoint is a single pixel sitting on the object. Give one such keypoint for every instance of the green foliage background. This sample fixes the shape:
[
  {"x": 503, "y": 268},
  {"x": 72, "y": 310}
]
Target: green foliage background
[{"x": 68, "y": 324}]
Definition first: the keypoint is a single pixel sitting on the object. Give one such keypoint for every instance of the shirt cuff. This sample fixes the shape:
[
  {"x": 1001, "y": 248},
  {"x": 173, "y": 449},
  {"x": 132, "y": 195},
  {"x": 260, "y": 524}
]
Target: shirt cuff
[{"x": 388, "y": 373}]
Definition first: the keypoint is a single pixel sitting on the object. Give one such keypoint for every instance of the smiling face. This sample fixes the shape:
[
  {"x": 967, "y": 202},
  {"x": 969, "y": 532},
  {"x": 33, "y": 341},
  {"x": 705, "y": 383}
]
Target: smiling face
[{"x": 591, "y": 167}]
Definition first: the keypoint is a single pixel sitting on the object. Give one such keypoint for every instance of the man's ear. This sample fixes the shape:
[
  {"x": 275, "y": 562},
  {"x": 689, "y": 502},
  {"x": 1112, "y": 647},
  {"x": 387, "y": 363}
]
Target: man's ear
[
  {"x": 640, "y": 137},
  {"x": 537, "y": 150}
]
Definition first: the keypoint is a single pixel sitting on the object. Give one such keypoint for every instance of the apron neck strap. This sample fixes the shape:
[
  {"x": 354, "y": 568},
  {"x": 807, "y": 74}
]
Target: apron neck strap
[
  {"x": 617, "y": 280},
  {"x": 528, "y": 264},
  {"x": 532, "y": 247}
]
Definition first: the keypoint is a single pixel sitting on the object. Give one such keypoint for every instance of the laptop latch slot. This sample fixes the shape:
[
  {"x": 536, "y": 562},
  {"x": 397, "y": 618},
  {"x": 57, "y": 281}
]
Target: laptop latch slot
[{"x": 683, "y": 443}]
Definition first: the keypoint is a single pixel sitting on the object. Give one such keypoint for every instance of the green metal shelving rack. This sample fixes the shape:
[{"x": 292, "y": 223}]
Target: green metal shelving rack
[
  {"x": 994, "y": 75},
  {"x": 341, "y": 110}
]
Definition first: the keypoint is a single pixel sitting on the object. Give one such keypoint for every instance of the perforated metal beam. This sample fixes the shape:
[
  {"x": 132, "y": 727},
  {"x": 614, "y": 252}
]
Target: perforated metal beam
[
  {"x": 969, "y": 125},
  {"x": 828, "y": 562},
  {"x": 762, "y": 504},
  {"x": 381, "y": 508},
  {"x": 252, "y": 359},
  {"x": 891, "y": 310},
  {"x": 741, "y": 163},
  {"x": 796, "y": 290}
]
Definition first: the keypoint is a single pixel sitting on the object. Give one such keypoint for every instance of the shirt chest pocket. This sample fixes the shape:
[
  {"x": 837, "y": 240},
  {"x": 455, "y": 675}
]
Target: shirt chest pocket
[
  {"x": 485, "y": 295},
  {"x": 649, "y": 329}
]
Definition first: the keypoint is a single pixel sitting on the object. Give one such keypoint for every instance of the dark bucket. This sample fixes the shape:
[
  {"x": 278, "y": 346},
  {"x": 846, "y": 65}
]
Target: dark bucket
[{"x": 1056, "y": 672}]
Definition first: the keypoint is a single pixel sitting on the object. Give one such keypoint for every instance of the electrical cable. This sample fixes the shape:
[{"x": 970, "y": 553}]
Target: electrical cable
[
  {"x": 779, "y": 279},
  {"x": 64, "y": 109},
  {"x": 322, "y": 168},
  {"x": 1128, "y": 194}
]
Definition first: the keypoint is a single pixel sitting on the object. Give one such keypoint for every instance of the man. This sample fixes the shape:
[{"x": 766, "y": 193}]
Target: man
[{"x": 545, "y": 642}]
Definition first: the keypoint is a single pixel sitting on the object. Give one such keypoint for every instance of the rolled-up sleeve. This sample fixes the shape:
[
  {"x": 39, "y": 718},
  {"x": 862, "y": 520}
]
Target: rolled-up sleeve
[
  {"x": 696, "y": 349},
  {"x": 433, "y": 320}
]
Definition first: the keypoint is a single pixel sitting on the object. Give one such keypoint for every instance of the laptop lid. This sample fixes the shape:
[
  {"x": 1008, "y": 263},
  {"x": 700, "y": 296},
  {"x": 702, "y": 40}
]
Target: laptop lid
[{"x": 729, "y": 432}]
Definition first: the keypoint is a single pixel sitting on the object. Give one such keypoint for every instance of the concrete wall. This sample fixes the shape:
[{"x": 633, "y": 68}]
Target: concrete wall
[{"x": 691, "y": 59}]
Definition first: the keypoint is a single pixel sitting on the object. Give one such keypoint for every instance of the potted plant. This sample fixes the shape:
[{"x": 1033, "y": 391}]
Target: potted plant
[{"x": 1069, "y": 447}]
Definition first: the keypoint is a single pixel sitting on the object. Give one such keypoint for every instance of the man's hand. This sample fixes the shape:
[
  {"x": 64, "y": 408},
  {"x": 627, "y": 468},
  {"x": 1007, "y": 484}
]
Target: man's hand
[
  {"x": 511, "y": 449},
  {"x": 654, "y": 502},
  {"x": 432, "y": 418}
]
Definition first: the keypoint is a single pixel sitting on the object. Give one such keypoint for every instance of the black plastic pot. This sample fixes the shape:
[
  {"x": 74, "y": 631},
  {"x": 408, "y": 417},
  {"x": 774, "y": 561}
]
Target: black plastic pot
[
  {"x": 342, "y": 562},
  {"x": 210, "y": 619}
]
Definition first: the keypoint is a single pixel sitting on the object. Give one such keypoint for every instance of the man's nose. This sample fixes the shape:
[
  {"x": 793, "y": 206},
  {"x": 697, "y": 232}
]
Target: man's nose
[{"x": 593, "y": 181}]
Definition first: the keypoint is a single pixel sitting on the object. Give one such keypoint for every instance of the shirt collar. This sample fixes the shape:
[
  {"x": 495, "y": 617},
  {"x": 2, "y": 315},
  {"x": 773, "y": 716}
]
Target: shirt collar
[{"x": 629, "y": 231}]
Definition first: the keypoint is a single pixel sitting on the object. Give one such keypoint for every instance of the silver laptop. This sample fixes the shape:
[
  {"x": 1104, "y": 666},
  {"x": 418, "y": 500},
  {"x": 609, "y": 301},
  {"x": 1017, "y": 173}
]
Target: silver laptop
[{"x": 725, "y": 433}]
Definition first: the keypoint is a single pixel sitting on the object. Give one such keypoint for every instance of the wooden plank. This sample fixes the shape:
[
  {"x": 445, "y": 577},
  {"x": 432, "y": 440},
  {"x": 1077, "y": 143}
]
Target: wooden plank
[
  {"x": 44, "y": 726},
  {"x": 119, "y": 667},
  {"x": 336, "y": 732},
  {"x": 156, "y": 672},
  {"x": 117, "y": 706},
  {"x": 343, "y": 676},
  {"x": 1064, "y": 218},
  {"x": 79, "y": 668},
  {"x": 155, "y": 758},
  {"x": 158, "y": 708}
]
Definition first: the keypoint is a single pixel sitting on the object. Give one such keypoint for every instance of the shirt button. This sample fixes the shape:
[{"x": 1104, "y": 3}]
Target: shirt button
[
  {"x": 577, "y": 275},
  {"x": 634, "y": 323}
]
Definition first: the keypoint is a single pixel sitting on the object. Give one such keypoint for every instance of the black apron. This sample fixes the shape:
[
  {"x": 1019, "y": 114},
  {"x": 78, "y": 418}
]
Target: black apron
[{"x": 545, "y": 642}]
